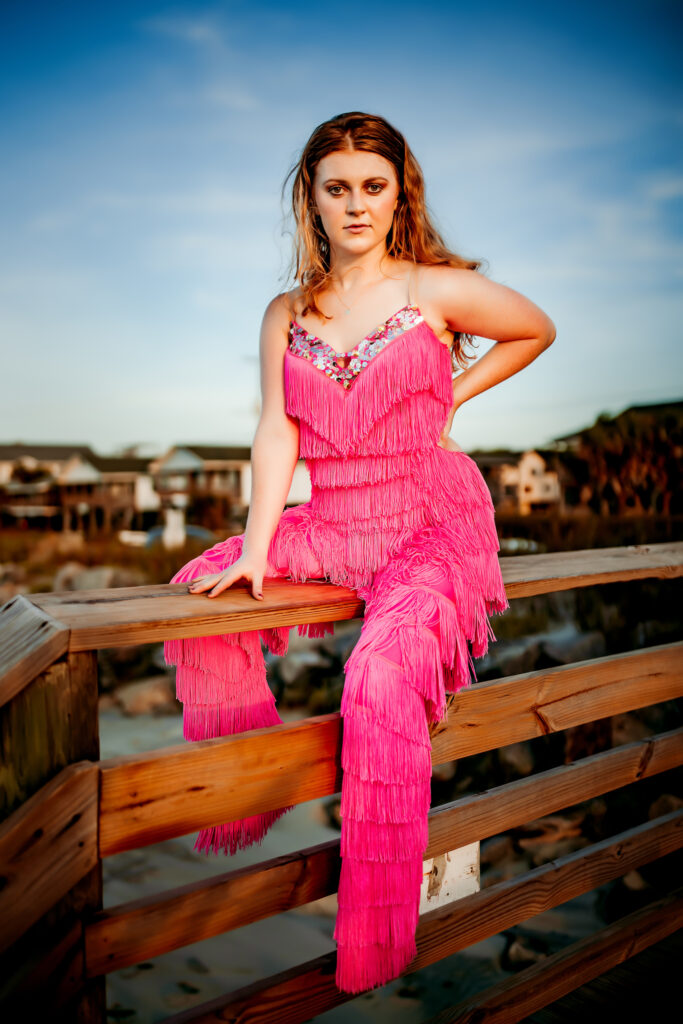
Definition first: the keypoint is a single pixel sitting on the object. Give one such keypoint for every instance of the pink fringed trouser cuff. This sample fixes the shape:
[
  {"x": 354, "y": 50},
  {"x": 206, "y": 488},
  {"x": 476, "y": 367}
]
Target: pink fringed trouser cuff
[
  {"x": 222, "y": 683},
  {"x": 421, "y": 612}
]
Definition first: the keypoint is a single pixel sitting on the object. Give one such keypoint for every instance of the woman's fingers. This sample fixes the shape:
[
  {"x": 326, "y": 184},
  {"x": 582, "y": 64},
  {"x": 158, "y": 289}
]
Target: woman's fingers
[
  {"x": 257, "y": 586},
  {"x": 214, "y": 583},
  {"x": 202, "y": 583},
  {"x": 225, "y": 580},
  {"x": 220, "y": 581}
]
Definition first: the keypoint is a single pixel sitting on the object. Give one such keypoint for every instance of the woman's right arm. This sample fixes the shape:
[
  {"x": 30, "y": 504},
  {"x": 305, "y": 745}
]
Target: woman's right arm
[{"x": 274, "y": 455}]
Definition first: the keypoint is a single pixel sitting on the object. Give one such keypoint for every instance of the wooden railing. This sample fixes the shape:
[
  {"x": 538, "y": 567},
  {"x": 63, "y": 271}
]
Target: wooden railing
[{"x": 65, "y": 810}]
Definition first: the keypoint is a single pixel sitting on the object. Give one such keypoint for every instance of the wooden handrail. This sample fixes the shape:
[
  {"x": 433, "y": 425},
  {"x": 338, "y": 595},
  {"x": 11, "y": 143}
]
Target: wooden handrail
[{"x": 136, "y": 615}]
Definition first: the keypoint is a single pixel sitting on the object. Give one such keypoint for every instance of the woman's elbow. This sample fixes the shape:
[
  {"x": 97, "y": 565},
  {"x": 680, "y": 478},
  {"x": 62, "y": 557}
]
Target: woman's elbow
[{"x": 549, "y": 334}]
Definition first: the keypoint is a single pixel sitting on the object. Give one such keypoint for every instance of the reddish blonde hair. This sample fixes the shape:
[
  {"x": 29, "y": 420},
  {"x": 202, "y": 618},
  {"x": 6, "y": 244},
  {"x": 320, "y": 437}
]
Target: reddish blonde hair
[{"x": 412, "y": 237}]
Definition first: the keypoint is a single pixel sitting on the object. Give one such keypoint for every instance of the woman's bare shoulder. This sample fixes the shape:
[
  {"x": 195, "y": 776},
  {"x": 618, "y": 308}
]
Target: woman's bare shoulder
[{"x": 437, "y": 277}]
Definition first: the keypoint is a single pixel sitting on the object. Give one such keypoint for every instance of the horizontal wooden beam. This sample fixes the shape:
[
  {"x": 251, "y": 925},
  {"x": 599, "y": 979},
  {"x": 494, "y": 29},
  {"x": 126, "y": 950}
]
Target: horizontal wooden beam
[
  {"x": 153, "y": 925},
  {"x": 298, "y": 994},
  {"x": 46, "y": 847},
  {"x": 30, "y": 641},
  {"x": 514, "y": 998},
  {"x": 147, "y": 798},
  {"x": 137, "y": 615}
]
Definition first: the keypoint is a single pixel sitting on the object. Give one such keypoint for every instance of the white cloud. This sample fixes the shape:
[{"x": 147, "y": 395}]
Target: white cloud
[{"x": 195, "y": 30}]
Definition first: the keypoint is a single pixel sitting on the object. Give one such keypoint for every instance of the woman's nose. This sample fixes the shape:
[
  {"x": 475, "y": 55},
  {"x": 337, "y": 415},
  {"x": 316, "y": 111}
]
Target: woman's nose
[{"x": 355, "y": 202}]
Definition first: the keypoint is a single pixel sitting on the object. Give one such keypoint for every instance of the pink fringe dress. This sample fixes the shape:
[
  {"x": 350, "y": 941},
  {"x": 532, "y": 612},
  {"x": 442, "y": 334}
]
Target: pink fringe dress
[{"x": 410, "y": 526}]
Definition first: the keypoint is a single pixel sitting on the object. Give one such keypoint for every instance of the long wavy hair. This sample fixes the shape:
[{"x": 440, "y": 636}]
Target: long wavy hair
[{"x": 412, "y": 236}]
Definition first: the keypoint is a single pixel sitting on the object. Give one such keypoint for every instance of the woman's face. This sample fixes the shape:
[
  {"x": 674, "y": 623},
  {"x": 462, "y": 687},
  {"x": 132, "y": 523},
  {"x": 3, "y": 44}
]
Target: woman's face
[{"x": 356, "y": 194}]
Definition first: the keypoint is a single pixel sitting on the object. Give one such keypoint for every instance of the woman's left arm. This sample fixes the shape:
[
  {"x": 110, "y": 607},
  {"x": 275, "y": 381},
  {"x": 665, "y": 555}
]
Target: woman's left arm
[{"x": 471, "y": 303}]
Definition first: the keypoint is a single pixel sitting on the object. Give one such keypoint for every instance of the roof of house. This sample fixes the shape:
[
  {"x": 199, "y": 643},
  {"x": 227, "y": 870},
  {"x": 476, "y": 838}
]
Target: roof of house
[{"x": 44, "y": 451}]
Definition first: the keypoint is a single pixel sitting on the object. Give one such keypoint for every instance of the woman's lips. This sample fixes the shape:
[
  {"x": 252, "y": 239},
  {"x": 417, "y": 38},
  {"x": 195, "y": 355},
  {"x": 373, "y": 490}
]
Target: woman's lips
[{"x": 356, "y": 227}]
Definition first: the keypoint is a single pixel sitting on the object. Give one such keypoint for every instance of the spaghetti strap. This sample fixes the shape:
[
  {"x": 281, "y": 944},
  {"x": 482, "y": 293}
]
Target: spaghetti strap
[{"x": 412, "y": 274}]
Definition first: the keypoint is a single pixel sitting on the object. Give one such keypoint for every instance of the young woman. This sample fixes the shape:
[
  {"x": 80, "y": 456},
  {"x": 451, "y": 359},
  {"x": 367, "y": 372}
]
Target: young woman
[{"x": 357, "y": 378}]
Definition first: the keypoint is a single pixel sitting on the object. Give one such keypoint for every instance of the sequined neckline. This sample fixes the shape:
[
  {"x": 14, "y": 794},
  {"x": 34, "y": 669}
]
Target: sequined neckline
[{"x": 324, "y": 357}]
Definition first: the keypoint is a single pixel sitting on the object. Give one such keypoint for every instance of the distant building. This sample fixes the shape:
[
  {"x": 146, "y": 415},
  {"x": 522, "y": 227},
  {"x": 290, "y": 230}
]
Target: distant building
[
  {"x": 191, "y": 473},
  {"x": 70, "y": 487},
  {"x": 520, "y": 483}
]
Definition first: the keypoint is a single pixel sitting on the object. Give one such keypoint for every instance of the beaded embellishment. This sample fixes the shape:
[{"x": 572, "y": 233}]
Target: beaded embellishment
[{"x": 324, "y": 357}]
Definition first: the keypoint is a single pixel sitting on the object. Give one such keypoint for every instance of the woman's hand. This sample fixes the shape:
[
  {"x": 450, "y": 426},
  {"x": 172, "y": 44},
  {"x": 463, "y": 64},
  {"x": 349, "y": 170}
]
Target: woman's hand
[{"x": 247, "y": 567}]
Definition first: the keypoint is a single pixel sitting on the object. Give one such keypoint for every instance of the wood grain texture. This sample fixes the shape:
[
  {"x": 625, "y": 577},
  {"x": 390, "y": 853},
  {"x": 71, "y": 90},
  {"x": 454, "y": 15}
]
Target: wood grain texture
[
  {"x": 135, "y": 615},
  {"x": 148, "y": 927},
  {"x": 46, "y": 847},
  {"x": 512, "y": 999},
  {"x": 299, "y": 993},
  {"x": 147, "y": 798},
  {"x": 51, "y": 724},
  {"x": 30, "y": 640}
]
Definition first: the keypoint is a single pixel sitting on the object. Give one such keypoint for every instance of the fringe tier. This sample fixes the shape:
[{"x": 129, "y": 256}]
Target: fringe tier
[{"x": 410, "y": 526}]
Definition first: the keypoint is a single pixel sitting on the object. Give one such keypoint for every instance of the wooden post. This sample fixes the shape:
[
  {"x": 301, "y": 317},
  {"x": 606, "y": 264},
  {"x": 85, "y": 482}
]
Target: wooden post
[{"x": 51, "y": 723}]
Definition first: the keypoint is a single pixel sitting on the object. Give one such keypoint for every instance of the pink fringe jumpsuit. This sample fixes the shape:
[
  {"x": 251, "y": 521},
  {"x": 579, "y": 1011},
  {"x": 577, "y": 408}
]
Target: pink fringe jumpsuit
[{"x": 410, "y": 526}]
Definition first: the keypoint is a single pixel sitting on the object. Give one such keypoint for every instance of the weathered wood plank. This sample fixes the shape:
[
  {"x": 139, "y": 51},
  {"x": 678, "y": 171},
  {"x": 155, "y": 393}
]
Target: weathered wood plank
[
  {"x": 148, "y": 927},
  {"x": 50, "y": 724},
  {"x": 549, "y": 700},
  {"x": 46, "y": 847},
  {"x": 299, "y": 993},
  {"x": 30, "y": 641},
  {"x": 513, "y": 999},
  {"x": 135, "y": 615},
  {"x": 147, "y": 798}
]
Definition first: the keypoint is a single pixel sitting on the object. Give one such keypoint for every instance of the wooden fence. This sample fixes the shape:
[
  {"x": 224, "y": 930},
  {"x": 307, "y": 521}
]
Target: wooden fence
[{"x": 64, "y": 809}]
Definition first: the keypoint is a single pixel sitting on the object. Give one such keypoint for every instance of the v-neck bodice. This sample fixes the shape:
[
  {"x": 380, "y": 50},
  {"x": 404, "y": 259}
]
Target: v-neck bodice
[{"x": 324, "y": 357}]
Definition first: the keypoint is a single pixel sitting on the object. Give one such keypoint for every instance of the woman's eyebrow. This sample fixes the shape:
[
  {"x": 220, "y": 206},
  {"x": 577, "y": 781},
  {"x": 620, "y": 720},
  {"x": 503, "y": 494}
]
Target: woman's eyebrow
[{"x": 342, "y": 181}]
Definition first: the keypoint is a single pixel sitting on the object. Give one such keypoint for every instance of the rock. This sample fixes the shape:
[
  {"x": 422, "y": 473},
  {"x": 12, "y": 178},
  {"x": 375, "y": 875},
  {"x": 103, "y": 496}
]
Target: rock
[
  {"x": 569, "y": 645},
  {"x": 549, "y": 830},
  {"x": 75, "y": 576},
  {"x": 518, "y": 955},
  {"x": 628, "y": 727},
  {"x": 496, "y": 849},
  {"x": 56, "y": 545},
  {"x": 634, "y": 881},
  {"x": 516, "y": 760},
  {"x": 444, "y": 772},
  {"x": 664, "y": 804},
  {"x": 118, "y": 665},
  {"x": 148, "y": 695},
  {"x": 550, "y": 851},
  {"x": 11, "y": 572}
]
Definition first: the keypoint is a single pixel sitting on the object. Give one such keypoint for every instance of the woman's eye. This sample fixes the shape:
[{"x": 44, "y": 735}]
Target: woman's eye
[
  {"x": 332, "y": 188},
  {"x": 377, "y": 187}
]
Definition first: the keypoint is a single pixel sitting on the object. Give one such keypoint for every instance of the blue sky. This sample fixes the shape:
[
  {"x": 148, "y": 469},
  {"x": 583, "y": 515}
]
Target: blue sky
[{"x": 144, "y": 148}]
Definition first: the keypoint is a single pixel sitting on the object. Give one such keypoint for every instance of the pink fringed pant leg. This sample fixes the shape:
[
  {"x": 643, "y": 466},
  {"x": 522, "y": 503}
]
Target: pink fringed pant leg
[
  {"x": 221, "y": 682},
  {"x": 412, "y": 650}
]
